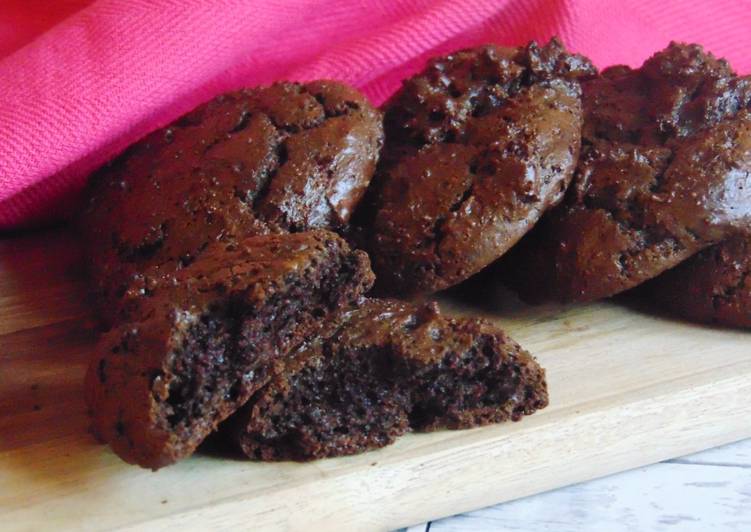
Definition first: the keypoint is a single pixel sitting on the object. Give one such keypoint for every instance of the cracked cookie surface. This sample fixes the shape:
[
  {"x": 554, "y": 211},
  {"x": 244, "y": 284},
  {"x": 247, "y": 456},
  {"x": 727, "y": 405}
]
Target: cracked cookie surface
[
  {"x": 478, "y": 146},
  {"x": 289, "y": 157},
  {"x": 664, "y": 172}
]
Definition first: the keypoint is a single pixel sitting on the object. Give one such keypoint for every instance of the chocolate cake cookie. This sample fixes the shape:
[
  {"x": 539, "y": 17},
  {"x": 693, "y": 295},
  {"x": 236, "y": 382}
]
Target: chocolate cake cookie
[
  {"x": 288, "y": 157},
  {"x": 714, "y": 286},
  {"x": 203, "y": 345},
  {"x": 478, "y": 146},
  {"x": 381, "y": 370},
  {"x": 664, "y": 172}
]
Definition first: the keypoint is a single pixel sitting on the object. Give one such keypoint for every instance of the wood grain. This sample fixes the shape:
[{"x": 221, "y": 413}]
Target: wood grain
[
  {"x": 710, "y": 490},
  {"x": 627, "y": 388}
]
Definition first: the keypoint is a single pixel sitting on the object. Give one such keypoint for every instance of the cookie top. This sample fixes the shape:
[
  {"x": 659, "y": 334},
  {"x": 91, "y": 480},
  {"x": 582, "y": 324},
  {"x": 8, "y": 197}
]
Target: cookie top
[
  {"x": 383, "y": 369},
  {"x": 478, "y": 146},
  {"x": 159, "y": 385},
  {"x": 664, "y": 172},
  {"x": 421, "y": 333},
  {"x": 713, "y": 286},
  {"x": 289, "y": 157}
]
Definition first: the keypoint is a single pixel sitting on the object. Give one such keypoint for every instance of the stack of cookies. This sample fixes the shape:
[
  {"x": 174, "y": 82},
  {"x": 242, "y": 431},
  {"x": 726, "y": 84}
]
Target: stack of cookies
[{"x": 223, "y": 249}]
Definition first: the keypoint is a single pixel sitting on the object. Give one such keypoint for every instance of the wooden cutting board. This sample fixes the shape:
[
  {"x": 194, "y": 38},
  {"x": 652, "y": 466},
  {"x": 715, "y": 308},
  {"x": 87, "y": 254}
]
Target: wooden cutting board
[{"x": 627, "y": 388}]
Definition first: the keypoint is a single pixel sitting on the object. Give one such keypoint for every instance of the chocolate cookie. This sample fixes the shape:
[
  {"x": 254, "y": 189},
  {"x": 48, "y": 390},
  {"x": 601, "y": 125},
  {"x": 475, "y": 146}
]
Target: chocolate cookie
[
  {"x": 384, "y": 369},
  {"x": 478, "y": 146},
  {"x": 664, "y": 172},
  {"x": 714, "y": 286},
  {"x": 289, "y": 157},
  {"x": 201, "y": 346}
]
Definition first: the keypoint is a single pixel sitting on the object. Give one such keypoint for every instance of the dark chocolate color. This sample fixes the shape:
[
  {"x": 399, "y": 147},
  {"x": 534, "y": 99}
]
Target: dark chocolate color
[
  {"x": 478, "y": 146},
  {"x": 289, "y": 157},
  {"x": 381, "y": 370},
  {"x": 665, "y": 172},
  {"x": 200, "y": 347},
  {"x": 714, "y": 286}
]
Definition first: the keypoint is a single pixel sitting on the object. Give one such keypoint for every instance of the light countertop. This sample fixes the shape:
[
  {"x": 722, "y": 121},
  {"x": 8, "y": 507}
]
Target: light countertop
[{"x": 707, "y": 491}]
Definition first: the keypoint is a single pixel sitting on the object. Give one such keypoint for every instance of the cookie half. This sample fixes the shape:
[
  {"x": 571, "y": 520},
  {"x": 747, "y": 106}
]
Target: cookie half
[
  {"x": 158, "y": 386},
  {"x": 383, "y": 369}
]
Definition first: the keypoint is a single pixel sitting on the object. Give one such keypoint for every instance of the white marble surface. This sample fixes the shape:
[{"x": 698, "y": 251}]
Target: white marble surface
[{"x": 708, "y": 491}]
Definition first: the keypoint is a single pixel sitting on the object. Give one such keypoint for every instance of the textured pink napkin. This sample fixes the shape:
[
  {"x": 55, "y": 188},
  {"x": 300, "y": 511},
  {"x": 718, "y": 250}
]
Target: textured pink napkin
[{"x": 80, "y": 80}]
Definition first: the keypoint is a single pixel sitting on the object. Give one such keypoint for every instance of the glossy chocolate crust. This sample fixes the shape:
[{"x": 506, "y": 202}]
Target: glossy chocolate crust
[
  {"x": 665, "y": 172},
  {"x": 157, "y": 386},
  {"x": 289, "y": 157},
  {"x": 381, "y": 370},
  {"x": 478, "y": 146},
  {"x": 714, "y": 286}
]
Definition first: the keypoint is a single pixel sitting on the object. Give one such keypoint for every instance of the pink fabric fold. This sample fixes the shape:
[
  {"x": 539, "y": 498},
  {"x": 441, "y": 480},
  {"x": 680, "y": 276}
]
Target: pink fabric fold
[{"x": 80, "y": 80}]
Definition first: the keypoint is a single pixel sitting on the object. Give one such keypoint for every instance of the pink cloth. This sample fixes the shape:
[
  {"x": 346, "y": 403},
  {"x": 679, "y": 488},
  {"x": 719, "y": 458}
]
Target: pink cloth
[{"x": 80, "y": 80}]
